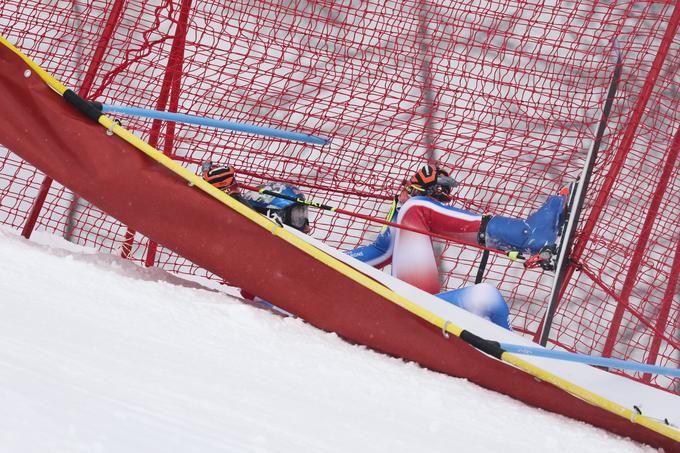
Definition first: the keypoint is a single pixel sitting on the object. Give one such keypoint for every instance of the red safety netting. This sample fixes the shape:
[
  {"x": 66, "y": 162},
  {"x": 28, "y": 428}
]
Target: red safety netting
[{"x": 505, "y": 94}]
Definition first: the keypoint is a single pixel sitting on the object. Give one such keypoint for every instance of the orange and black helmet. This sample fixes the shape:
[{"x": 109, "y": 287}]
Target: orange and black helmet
[
  {"x": 223, "y": 177},
  {"x": 426, "y": 176},
  {"x": 433, "y": 182}
]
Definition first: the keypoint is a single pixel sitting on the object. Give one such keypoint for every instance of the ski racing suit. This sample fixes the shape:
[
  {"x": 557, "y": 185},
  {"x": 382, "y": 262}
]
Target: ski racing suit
[{"x": 412, "y": 254}]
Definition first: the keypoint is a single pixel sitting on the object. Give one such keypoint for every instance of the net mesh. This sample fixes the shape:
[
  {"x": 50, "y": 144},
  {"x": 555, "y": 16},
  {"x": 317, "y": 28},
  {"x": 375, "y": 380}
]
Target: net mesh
[{"x": 507, "y": 95}]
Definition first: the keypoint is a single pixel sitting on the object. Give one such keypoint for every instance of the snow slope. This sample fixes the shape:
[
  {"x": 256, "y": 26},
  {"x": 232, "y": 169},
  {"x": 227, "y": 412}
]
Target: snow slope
[{"x": 99, "y": 355}]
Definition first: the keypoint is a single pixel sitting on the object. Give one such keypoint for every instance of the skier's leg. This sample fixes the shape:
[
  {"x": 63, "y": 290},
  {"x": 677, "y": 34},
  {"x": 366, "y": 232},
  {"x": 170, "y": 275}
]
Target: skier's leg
[
  {"x": 507, "y": 233},
  {"x": 483, "y": 300},
  {"x": 545, "y": 222},
  {"x": 413, "y": 259},
  {"x": 539, "y": 230}
]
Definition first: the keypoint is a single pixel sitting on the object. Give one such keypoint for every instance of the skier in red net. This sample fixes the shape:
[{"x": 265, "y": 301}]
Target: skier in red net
[
  {"x": 424, "y": 204},
  {"x": 278, "y": 209}
]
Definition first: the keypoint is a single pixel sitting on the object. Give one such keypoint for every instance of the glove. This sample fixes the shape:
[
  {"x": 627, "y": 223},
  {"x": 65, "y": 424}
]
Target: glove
[{"x": 206, "y": 166}]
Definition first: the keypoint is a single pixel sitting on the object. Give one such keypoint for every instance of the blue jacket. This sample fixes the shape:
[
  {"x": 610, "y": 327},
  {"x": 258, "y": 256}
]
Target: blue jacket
[{"x": 379, "y": 252}]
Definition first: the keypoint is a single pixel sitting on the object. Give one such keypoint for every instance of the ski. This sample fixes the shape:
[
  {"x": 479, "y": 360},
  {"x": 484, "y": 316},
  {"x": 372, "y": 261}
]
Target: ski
[{"x": 566, "y": 241}]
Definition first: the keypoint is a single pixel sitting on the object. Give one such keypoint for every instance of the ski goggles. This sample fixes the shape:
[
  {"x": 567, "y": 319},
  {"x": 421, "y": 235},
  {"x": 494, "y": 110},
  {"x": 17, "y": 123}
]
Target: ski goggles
[
  {"x": 443, "y": 184},
  {"x": 446, "y": 183},
  {"x": 297, "y": 216}
]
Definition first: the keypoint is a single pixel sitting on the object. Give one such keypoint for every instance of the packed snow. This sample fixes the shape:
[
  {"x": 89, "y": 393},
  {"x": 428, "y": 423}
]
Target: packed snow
[{"x": 100, "y": 355}]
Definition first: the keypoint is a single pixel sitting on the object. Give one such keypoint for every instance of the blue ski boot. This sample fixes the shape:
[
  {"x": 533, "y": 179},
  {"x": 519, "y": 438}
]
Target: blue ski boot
[
  {"x": 548, "y": 256},
  {"x": 528, "y": 236}
]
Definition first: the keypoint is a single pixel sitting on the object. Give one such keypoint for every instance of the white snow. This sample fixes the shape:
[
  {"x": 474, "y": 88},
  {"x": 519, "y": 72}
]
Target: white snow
[{"x": 99, "y": 355}]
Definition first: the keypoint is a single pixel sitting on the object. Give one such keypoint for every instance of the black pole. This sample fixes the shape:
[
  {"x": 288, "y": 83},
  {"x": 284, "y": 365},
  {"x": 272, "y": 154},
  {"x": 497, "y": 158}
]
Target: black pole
[{"x": 482, "y": 267}]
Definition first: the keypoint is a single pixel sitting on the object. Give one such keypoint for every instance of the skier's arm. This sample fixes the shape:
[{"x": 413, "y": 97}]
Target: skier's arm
[{"x": 379, "y": 253}]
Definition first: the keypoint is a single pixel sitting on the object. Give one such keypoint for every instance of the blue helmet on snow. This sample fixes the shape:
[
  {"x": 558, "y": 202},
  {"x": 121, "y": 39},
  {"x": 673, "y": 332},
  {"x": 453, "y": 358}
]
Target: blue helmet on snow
[{"x": 282, "y": 210}]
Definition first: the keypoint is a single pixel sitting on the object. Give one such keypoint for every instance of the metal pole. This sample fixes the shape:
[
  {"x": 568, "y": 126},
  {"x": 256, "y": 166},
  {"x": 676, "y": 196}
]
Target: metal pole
[
  {"x": 87, "y": 83},
  {"x": 171, "y": 86}
]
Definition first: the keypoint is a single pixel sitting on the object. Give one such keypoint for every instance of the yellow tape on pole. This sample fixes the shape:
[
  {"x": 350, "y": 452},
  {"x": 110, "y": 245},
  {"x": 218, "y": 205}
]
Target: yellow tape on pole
[
  {"x": 48, "y": 79},
  {"x": 591, "y": 397}
]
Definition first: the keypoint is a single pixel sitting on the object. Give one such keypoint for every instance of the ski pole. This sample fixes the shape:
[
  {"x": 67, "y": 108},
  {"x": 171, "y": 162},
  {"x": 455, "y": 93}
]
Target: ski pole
[
  {"x": 212, "y": 122},
  {"x": 512, "y": 255},
  {"x": 590, "y": 360}
]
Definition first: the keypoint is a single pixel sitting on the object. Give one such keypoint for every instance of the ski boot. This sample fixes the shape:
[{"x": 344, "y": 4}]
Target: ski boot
[
  {"x": 525, "y": 237},
  {"x": 546, "y": 257}
]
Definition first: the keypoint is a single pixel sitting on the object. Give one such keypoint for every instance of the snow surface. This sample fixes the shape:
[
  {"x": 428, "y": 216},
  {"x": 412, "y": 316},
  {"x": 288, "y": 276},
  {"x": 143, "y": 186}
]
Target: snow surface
[{"x": 99, "y": 355}]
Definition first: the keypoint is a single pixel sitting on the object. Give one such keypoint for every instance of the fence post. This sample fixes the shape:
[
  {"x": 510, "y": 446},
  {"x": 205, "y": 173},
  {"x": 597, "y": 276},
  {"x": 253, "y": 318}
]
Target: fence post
[
  {"x": 171, "y": 87},
  {"x": 85, "y": 87},
  {"x": 626, "y": 144}
]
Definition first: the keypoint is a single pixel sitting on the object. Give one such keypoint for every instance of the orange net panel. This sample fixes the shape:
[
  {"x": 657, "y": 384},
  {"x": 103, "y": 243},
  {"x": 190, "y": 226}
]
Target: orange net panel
[{"x": 507, "y": 95}]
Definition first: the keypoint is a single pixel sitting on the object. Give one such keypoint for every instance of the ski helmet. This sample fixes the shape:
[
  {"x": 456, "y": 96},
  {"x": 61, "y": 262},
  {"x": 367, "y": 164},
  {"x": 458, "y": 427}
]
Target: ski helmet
[
  {"x": 432, "y": 181},
  {"x": 222, "y": 177},
  {"x": 280, "y": 209}
]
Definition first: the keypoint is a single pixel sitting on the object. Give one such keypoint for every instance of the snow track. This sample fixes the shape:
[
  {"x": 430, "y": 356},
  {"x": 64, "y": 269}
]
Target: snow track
[{"x": 99, "y": 355}]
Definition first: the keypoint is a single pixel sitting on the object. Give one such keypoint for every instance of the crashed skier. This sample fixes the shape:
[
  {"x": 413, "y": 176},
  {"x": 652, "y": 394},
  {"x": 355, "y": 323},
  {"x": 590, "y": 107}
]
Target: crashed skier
[
  {"x": 421, "y": 204},
  {"x": 424, "y": 204},
  {"x": 278, "y": 209}
]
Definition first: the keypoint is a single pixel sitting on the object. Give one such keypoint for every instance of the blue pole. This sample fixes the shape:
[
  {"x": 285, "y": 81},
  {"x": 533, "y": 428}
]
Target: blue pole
[
  {"x": 590, "y": 360},
  {"x": 211, "y": 122}
]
